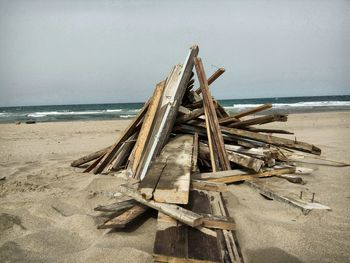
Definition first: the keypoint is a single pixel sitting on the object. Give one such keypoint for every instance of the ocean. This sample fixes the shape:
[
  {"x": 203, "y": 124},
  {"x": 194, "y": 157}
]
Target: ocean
[{"x": 112, "y": 111}]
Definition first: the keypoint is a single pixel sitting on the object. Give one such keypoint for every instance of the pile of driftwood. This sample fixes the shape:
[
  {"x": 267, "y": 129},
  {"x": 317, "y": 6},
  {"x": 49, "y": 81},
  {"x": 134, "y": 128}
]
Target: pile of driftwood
[{"x": 183, "y": 149}]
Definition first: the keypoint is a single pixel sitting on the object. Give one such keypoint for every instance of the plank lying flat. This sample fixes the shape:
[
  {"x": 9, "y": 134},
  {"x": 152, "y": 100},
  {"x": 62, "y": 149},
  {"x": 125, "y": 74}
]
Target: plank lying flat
[
  {"x": 168, "y": 178},
  {"x": 117, "y": 207},
  {"x": 267, "y": 191},
  {"x": 174, "y": 91},
  {"x": 174, "y": 183},
  {"x": 181, "y": 214},
  {"x": 125, "y": 218},
  {"x": 243, "y": 177}
]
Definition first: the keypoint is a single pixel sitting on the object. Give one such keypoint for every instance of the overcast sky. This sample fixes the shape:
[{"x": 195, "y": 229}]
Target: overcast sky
[{"x": 67, "y": 52}]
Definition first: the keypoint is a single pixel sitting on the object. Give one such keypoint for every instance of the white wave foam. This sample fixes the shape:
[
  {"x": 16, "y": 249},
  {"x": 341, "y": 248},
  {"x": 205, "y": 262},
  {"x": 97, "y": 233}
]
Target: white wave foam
[
  {"x": 117, "y": 110},
  {"x": 127, "y": 116},
  {"x": 298, "y": 104}
]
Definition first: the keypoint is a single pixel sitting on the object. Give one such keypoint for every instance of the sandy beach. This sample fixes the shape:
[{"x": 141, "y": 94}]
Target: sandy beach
[{"x": 46, "y": 206}]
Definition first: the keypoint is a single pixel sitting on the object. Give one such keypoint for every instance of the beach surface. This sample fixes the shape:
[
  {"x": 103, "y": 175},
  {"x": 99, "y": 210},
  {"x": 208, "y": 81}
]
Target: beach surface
[{"x": 46, "y": 206}]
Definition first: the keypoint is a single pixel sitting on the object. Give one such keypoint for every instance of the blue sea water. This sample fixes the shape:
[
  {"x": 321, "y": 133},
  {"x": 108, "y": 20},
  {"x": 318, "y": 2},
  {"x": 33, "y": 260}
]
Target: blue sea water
[{"x": 129, "y": 110}]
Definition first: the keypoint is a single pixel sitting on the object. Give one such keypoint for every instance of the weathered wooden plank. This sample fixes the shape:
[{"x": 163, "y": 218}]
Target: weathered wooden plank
[
  {"x": 174, "y": 182},
  {"x": 89, "y": 157},
  {"x": 244, "y": 177},
  {"x": 147, "y": 126},
  {"x": 178, "y": 243},
  {"x": 168, "y": 178},
  {"x": 194, "y": 166},
  {"x": 181, "y": 214},
  {"x": 237, "y": 158},
  {"x": 190, "y": 116},
  {"x": 219, "y": 174},
  {"x": 230, "y": 248},
  {"x": 267, "y": 191},
  {"x": 211, "y": 118},
  {"x": 292, "y": 144},
  {"x": 212, "y": 78},
  {"x": 172, "y": 97},
  {"x": 117, "y": 206},
  {"x": 253, "y": 129},
  {"x": 259, "y": 120},
  {"x": 252, "y": 111},
  {"x": 123, "y": 153},
  {"x": 125, "y": 218},
  {"x": 126, "y": 134},
  {"x": 208, "y": 186}
]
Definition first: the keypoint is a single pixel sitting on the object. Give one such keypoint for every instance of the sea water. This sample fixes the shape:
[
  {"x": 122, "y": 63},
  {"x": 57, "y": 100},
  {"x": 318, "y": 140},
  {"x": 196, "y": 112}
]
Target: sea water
[{"x": 129, "y": 110}]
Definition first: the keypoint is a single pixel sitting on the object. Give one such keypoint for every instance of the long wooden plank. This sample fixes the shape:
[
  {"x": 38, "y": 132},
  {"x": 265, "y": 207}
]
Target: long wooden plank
[
  {"x": 237, "y": 158},
  {"x": 125, "y": 218},
  {"x": 259, "y": 120},
  {"x": 181, "y": 214},
  {"x": 126, "y": 134},
  {"x": 172, "y": 97},
  {"x": 117, "y": 206},
  {"x": 267, "y": 191},
  {"x": 287, "y": 143},
  {"x": 147, "y": 126},
  {"x": 243, "y": 177},
  {"x": 174, "y": 182},
  {"x": 252, "y": 111},
  {"x": 89, "y": 157},
  {"x": 169, "y": 173},
  {"x": 212, "y": 78},
  {"x": 211, "y": 117}
]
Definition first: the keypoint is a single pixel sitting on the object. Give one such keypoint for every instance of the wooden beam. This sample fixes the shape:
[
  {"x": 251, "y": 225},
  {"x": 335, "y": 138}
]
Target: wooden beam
[
  {"x": 125, "y": 218},
  {"x": 212, "y": 78},
  {"x": 89, "y": 157},
  {"x": 252, "y": 111},
  {"x": 270, "y": 193},
  {"x": 259, "y": 120},
  {"x": 243, "y": 177},
  {"x": 208, "y": 186},
  {"x": 211, "y": 117},
  {"x": 237, "y": 158},
  {"x": 126, "y": 134},
  {"x": 181, "y": 214},
  {"x": 117, "y": 206},
  {"x": 269, "y": 139},
  {"x": 172, "y": 97},
  {"x": 147, "y": 126}
]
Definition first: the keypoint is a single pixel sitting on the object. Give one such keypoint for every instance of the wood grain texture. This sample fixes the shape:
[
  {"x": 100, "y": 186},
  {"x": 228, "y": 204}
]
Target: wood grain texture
[{"x": 147, "y": 126}]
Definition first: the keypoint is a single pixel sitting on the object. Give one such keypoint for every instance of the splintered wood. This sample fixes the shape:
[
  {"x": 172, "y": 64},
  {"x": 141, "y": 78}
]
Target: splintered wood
[{"x": 180, "y": 153}]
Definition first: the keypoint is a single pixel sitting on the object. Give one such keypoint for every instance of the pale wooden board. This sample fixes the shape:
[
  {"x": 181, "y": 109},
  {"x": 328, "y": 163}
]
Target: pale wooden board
[{"x": 174, "y": 183}]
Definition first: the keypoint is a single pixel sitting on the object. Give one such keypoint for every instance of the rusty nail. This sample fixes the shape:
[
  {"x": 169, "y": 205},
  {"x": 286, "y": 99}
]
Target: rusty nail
[
  {"x": 301, "y": 195},
  {"x": 313, "y": 197}
]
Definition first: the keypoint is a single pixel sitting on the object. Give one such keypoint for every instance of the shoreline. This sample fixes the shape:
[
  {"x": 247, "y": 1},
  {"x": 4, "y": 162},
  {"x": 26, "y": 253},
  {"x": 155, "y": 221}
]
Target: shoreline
[{"x": 266, "y": 112}]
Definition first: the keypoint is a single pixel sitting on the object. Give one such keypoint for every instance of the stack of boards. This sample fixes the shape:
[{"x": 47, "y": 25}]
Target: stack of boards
[{"x": 182, "y": 149}]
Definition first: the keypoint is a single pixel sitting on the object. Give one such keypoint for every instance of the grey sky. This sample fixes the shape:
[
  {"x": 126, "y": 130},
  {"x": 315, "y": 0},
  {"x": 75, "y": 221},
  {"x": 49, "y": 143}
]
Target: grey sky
[{"x": 66, "y": 52}]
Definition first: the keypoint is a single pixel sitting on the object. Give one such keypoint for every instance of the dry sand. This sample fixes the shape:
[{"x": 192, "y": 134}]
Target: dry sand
[{"x": 46, "y": 206}]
